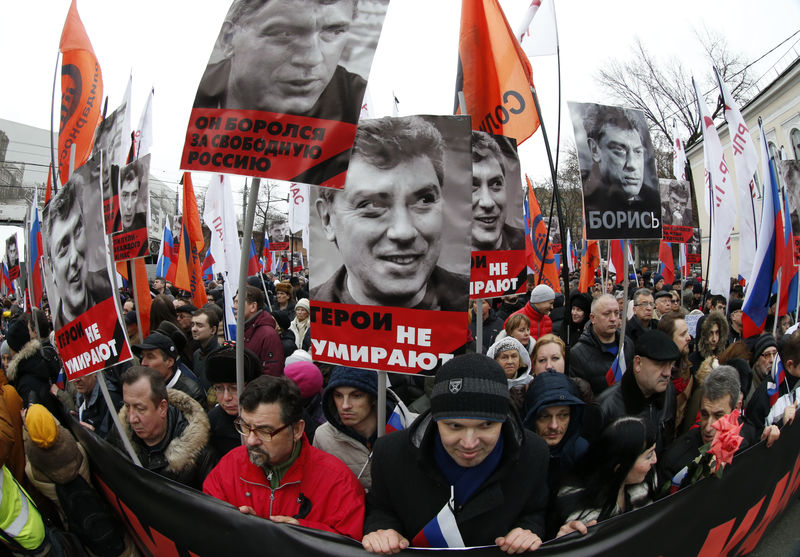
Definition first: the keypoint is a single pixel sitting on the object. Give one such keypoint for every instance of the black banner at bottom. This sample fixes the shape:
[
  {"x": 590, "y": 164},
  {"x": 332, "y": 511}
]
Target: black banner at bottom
[{"x": 713, "y": 517}]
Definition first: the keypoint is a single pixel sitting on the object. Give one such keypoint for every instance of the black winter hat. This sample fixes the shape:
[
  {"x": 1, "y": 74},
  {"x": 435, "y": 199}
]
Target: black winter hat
[
  {"x": 656, "y": 345},
  {"x": 221, "y": 364},
  {"x": 759, "y": 344},
  {"x": 17, "y": 334},
  {"x": 472, "y": 386},
  {"x": 364, "y": 380}
]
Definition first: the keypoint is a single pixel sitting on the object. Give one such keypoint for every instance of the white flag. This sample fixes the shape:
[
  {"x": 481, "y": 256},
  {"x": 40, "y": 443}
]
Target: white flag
[
  {"x": 220, "y": 217},
  {"x": 539, "y": 36},
  {"x": 745, "y": 160},
  {"x": 722, "y": 206},
  {"x": 679, "y": 154},
  {"x": 298, "y": 209},
  {"x": 144, "y": 133}
]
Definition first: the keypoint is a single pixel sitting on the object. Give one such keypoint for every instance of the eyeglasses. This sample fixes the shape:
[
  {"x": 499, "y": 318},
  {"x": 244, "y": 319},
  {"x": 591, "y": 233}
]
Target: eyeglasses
[
  {"x": 262, "y": 431},
  {"x": 770, "y": 354},
  {"x": 222, "y": 389},
  {"x": 645, "y": 304}
]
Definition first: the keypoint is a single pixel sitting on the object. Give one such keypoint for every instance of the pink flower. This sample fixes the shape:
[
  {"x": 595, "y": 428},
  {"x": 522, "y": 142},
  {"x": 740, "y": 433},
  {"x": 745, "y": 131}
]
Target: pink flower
[{"x": 727, "y": 440}]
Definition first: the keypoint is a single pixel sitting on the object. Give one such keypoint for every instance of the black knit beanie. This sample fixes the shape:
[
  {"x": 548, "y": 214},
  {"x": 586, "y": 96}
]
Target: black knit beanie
[
  {"x": 17, "y": 335},
  {"x": 472, "y": 386}
]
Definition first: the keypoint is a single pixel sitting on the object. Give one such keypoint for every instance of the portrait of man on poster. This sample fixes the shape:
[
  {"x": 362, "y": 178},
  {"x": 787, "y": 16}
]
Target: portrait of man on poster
[
  {"x": 494, "y": 196},
  {"x": 133, "y": 192},
  {"x": 68, "y": 235},
  {"x": 12, "y": 252},
  {"x": 676, "y": 202},
  {"x": 296, "y": 47},
  {"x": 388, "y": 223}
]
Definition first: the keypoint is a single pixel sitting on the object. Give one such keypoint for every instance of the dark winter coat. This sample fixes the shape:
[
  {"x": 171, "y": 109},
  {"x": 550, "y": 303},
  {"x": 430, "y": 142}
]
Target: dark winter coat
[
  {"x": 408, "y": 488},
  {"x": 29, "y": 372},
  {"x": 590, "y": 359},
  {"x": 492, "y": 325}
]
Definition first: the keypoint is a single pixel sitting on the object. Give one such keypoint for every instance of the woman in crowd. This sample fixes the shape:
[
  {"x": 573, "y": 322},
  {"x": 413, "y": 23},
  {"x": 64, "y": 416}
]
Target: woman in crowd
[
  {"x": 712, "y": 340},
  {"x": 284, "y": 297},
  {"x": 516, "y": 364},
  {"x": 548, "y": 353},
  {"x": 674, "y": 324},
  {"x": 301, "y": 323},
  {"x": 577, "y": 317},
  {"x": 518, "y": 326},
  {"x": 614, "y": 477}
]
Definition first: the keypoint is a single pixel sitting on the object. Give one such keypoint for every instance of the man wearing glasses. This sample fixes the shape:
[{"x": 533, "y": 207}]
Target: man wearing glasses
[
  {"x": 642, "y": 319},
  {"x": 277, "y": 474}
]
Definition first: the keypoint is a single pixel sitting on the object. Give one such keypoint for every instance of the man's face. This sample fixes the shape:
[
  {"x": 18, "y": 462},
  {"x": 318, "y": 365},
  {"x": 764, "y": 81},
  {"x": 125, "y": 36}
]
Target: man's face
[
  {"x": 488, "y": 204},
  {"x": 155, "y": 359},
  {"x": 184, "y": 320},
  {"x": 262, "y": 450},
  {"x": 201, "y": 330},
  {"x": 148, "y": 421},
  {"x": 605, "y": 318},
  {"x": 295, "y": 46},
  {"x": 652, "y": 376},
  {"x": 763, "y": 364},
  {"x": 710, "y": 412},
  {"x": 250, "y": 308},
  {"x": 387, "y": 225},
  {"x": 355, "y": 407},
  {"x": 713, "y": 337},
  {"x": 128, "y": 196},
  {"x": 643, "y": 308},
  {"x": 278, "y": 231},
  {"x": 158, "y": 285},
  {"x": 544, "y": 307},
  {"x": 85, "y": 384},
  {"x": 127, "y": 307},
  {"x": 720, "y": 306},
  {"x": 468, "y": 442},
  {"x": 620, "y": 158},
  {"x": 12, "y": 252},
  {"x": 681, "y": 336},
  {"x": 68, "y": 246},
  {"x": 552, "y": 424},
  {"x": 227, "y": 397},
  {"x": 664, "y": 305}
]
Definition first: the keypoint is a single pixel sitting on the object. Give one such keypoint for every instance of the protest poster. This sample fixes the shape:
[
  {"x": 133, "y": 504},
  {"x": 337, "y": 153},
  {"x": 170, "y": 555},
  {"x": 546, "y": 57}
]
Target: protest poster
[
  {"x": 676, "y": 210},
  {"x": 694, "y": 254},
  {"x": 110, "y": 140},
  {"x": 790, "y": 178},
  {"x": 283, "y": 90},
  {"x": 391, "y": 251},
  {"x": 498, "y": 235},
  {"x": 88, "y": 328},
  {"x": 278, "y": 233},
  {"x": 12, "y": 256},
  {"x": 134, "y": 193},
  {"x": 621, "y": 197}
]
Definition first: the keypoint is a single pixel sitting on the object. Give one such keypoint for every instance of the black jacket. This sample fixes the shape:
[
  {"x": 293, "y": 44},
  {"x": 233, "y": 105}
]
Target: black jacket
[
  {"x": 408, "y": 489},
  {"x": 589, "y": 359},
  {"x": 626, "y": 399},
  {"x": 492, "y": 325},
  {"x": 635, "y": 328},
  {"x": 199, "y": 361}
]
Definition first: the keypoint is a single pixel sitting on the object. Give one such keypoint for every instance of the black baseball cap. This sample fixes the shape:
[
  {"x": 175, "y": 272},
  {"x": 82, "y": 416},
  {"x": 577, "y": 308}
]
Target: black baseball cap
[
  {"x": 656, "y": 345},
  {"x": 186, "y": 308},
  {"x": 157, "y": 341}
]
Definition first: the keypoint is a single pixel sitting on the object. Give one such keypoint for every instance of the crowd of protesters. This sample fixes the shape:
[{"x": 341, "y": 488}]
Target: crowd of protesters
[{"x": 528, "y": 437}]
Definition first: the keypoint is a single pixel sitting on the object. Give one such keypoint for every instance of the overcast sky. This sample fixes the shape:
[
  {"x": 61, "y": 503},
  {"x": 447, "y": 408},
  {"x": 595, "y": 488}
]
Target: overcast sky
[{"x": 166, "y": 44}]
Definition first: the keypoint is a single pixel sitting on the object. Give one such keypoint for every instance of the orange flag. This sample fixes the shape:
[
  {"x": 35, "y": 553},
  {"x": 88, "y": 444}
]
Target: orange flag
[
  {"x": 537, "y": 258},
  {"x": 143, "y": 300},
  {"x": 590, "y": 261},
  {"x": 81, "y": 93},
  {"x": 49, "y": 191},
  {"x": 494, "y": 73},
  {"x": 189, "y": 271}
]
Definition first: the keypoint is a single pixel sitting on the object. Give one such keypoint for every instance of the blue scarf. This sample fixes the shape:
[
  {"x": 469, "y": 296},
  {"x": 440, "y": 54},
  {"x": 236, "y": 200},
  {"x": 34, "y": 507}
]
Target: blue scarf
[{"x": 466, "y": 481}]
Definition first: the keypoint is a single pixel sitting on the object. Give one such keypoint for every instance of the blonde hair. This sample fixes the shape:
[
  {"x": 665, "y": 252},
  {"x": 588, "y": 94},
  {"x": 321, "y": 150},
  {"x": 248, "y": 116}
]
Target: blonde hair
[
  {"x": 549, "y": 338},
  {"x": 515, "y": 321}
]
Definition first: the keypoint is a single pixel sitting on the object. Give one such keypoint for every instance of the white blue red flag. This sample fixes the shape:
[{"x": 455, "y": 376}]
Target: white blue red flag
[
  {"x": 442, "y": 530},
  {"x": 253, "y": 263},
  {"x": 165, "y": 254},
  {"x": 616, "y": 371},
  {"x": 756, "y": 300},
  {"x": 787, "y": 299},
  {"x": 35, "y": 253},
  {"x": 208, "y": 266}
]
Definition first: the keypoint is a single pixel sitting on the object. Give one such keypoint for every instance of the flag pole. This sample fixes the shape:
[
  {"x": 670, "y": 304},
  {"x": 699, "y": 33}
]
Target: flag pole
[
  {"x": 777, "y": 316},
  {"x": 381, "y": 403},
  {"x": 564, "y": 269},
  {"x": 624, "y": 313},
  {"x": 52, "y": 115},
  {"x": 244, "y": 258}
]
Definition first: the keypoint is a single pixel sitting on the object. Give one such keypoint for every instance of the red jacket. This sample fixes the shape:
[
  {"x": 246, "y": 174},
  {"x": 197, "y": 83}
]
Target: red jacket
[
  {"x": 261, "y": 338},
  {"x": 336, "y": 496},
  {"x": 540, "y": 324}
]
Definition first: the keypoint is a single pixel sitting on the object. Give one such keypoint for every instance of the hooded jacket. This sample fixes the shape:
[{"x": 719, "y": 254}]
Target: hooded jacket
[
  {"x": 572, "y": 331},
  {"x": 555, "y": 389},
  {"x": 344, "y": 442},
  {"x": 409, "y": 489},
  {"x": 184, "y": 454},
  {"x": 30, "y": 373},
  {"x": 261, "y": 338},
  {"x": 590, "y": 359}
]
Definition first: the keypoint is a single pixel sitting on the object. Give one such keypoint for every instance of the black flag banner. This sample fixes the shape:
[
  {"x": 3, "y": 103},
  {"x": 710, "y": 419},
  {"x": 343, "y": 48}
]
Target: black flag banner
[{"x": 728, "y": 516}]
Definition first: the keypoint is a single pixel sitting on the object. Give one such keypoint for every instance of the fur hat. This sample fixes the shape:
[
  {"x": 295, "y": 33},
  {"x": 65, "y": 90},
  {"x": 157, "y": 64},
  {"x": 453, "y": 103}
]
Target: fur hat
[
  {"x": 221, "y": 364},
  {"x": 17, "y": 335},
  {"x": 284, "y": 287},
  {"x": 471, "y": 386}
]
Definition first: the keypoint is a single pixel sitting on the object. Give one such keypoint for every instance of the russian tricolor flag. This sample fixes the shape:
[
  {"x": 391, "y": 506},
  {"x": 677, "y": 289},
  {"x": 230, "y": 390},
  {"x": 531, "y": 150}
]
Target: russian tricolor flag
[
  {"x": 253, "y": 264},
  {"x": 778, "y": 377},
  {"x": 756, "y": 301},
  {"x": 208, "y": 266},
  {"x": 7, "y": 279},
  {"x": 616, "y": 371},
  {"x": 442, "y": 530},
  {"x": 396, "y": 421},
  {"x": 165, "y": 255},
  {"x": 35, "y": 253}
]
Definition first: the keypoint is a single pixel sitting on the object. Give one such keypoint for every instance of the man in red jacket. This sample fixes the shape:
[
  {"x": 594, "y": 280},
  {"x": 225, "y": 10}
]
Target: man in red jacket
[
  {"x": 259, "y": 332},
  {"x": 538, "y": 310},
  {"x": 277, "y": 474}
]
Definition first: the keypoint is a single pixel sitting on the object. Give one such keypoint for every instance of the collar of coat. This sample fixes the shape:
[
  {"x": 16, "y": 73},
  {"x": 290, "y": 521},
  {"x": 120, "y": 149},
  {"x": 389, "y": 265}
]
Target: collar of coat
[{"x": 29, "y": 349}]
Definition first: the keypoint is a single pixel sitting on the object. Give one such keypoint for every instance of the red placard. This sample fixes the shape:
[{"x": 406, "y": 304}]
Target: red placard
[
  {"x": 130, "y": 245},
  {"x": 497, "y": 273},
  {"x": 93, "y": 341},
  {"x": 393, "y": 339},
  {"x": 268, "y": 145},
  {"x": 676, "y": 234}
]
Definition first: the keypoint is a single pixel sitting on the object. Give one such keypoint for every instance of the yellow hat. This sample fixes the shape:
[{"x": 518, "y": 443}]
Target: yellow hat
[{"x": 41, "y": 426}]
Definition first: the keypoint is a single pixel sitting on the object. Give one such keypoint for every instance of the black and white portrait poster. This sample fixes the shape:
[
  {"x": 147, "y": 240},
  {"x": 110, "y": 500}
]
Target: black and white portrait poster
[
  {"x": 111, "y": 141},
  {"x": 12, "y": 256},
  {"x": 676, "y": 210},
  {"x": 621, "y": 197},
  {"x": 790, "y": 178},
  {"x": 278, "y": 232},
  {"x": 390, "y": 254},
  {"x": 498, "y": 235},
  {"x": 88, "y": 329},
  {"x": 694, "y": 253},
  {"x": 283, "y": 90},
  {"x": 134, "y": 193}
]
